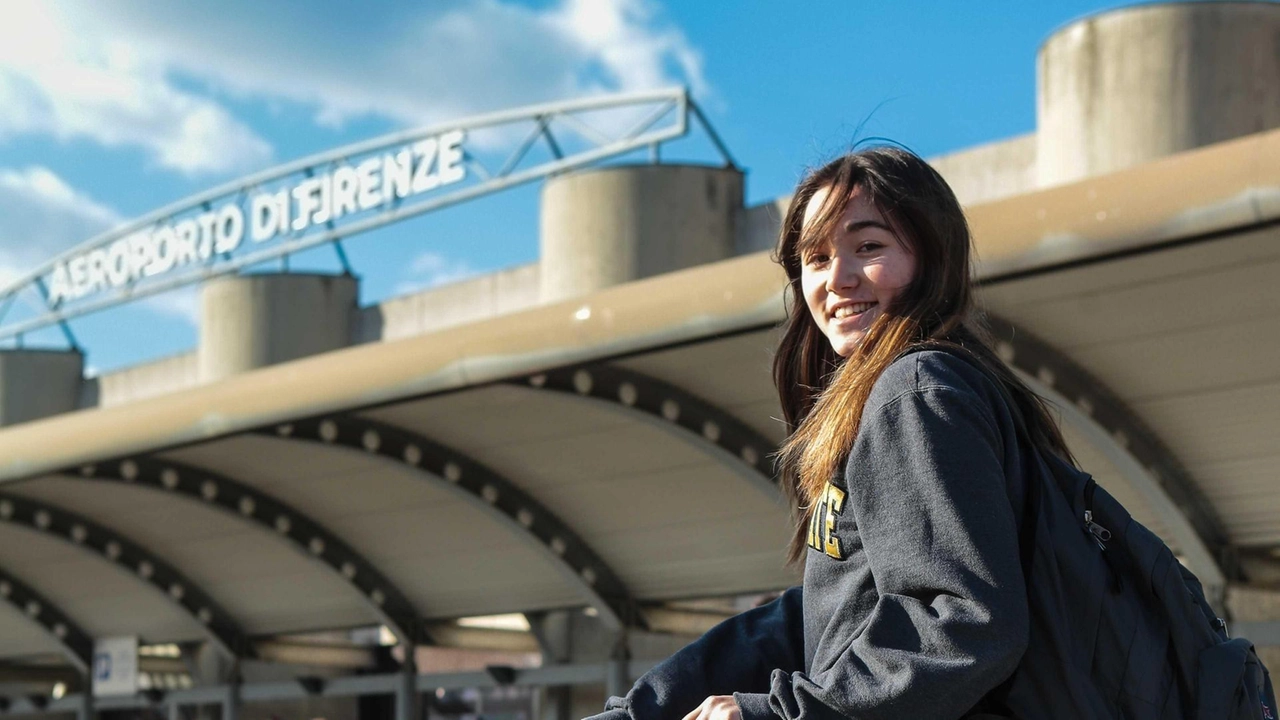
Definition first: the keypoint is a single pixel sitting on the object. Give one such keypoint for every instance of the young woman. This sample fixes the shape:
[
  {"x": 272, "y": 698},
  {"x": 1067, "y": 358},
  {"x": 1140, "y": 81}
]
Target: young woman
[{"x": 906, "y": 470}]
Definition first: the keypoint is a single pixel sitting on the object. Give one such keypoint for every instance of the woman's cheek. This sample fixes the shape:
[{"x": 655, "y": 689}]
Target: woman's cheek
[
  {"x": 880, "y": 277},
  {"x": 809, "y": 286},
  {"x": 890, "y": 277}
]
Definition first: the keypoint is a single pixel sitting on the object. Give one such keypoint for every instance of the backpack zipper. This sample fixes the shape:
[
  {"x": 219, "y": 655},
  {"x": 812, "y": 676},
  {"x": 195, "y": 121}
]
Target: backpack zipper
[{"x": 1101, "y": 536}]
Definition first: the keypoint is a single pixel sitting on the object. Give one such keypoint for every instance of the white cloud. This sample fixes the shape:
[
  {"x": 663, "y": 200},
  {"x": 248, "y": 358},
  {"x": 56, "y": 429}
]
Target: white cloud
[
  {"x": 61, "y": 74},
  {"x": 476, "y": 55},
  {"x": 107, "y": 71},
  {"x": 621, "y": 36},
  {"x": 182, "y": 304},
  {"x": 41, "y": 215},
  {"x": 431, "y": 269}
]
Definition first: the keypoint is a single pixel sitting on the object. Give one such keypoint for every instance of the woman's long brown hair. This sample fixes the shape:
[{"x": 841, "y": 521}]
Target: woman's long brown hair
[{"x": 822, "y": 394}]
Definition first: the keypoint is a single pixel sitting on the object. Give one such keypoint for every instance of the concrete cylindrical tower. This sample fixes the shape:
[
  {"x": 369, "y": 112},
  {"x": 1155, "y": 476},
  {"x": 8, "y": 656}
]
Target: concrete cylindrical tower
[
  {"x": 251, "y": 321},
  {"x": 1128, "y": 86},
  {"x": 38, "y": 383},
  {"x": 607, "y": 226}
]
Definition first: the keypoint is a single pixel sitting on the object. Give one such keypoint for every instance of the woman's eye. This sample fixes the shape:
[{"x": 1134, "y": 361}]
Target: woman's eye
[
  {"x": 817, "y": 259},
  {"x": 869, "y": 247}
]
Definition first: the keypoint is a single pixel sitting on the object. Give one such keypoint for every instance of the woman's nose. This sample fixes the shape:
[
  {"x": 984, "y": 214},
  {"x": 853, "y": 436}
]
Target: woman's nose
[{"x": 844, "y": 274}]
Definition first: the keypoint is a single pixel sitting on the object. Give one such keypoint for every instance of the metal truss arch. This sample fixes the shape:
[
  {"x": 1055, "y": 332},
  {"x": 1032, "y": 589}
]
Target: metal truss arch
[
  {"x": 307, "y": 536},
  {"x": 667, "y": 119},
  {"x": 489, "y": 491},
  {"x": 116, "y": 549},
  {"x": 1134, "y": 448},
  {"x": 738, "y": 447},
  {"x": 75, "y": 644}
]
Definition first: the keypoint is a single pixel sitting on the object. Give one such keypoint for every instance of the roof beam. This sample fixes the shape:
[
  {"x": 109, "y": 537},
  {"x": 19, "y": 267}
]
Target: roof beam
[
  {"x": 736, "y": 445},
  {"x": 304, "y": 534},
  {"x": 74, "y": 642},
  {"x": 1146, "y": 463},
  {"x": 488, "y": 491},
  {"x": 115, "y": 548}
]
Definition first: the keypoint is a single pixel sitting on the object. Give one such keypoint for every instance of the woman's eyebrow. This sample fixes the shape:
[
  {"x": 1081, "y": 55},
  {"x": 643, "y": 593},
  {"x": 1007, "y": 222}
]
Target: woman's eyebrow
[{"x": 854, "y": 227}]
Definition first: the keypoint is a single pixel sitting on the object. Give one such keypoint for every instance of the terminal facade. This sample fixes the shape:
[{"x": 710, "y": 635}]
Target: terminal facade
[{"x": 514, "y": 493}]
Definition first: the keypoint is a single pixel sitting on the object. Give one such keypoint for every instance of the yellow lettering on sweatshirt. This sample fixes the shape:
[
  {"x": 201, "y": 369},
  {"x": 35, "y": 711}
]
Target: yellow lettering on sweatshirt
[{"x": 822, "y": 522}]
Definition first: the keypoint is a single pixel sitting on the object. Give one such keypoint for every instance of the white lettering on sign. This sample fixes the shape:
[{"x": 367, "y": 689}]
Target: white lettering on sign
[
  {"x": 270, "y": 214},
  {"x": 346, "y": 190}
]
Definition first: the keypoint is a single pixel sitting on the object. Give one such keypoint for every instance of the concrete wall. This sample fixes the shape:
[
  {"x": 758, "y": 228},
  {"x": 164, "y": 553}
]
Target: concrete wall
[
  {"x": 447, "y": 305},
  {"x": 38, "y": 383},
  {"x": 431, "y": 309},
  {"x": 991, "y": 171},
  {"x": 149, "y": 379},
  {"x": 758, "y": 226}
]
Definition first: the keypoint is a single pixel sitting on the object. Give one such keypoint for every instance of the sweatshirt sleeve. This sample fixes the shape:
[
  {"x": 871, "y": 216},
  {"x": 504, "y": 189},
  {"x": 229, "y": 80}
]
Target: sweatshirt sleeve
[
  {"x": 738, "y": 654},
  {"x": 927, "y": 487}
]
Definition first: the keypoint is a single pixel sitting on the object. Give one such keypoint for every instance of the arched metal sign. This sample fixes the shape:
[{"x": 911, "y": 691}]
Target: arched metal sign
[{"x": 336, "y": 194}]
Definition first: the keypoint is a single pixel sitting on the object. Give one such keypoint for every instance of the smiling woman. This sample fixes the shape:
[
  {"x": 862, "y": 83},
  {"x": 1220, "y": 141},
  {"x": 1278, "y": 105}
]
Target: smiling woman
[
  {"x": 911, "y": 446},
  {"x": 877, "y": 251}
]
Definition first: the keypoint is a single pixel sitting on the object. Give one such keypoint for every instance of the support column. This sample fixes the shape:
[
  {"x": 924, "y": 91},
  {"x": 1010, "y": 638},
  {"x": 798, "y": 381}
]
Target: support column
[
  {"x": 573, "y": 636},
  {"x": 406, "y": 688},
  {"x": 231, "y": 703},
  {"x": 553, "y": 630},
  {"x": 210, "y": 667},
  {"x": 617, "y": 682},
  {"x": 84, "y": 710},
  {"x": 557, "y": 703}
]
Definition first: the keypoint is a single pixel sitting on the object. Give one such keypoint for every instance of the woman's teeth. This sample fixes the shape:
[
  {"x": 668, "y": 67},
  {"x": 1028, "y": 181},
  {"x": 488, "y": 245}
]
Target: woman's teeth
[{"x": 851, "y": 310}]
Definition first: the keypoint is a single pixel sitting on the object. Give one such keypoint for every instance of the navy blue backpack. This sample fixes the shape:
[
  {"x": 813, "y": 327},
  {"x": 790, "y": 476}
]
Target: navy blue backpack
[{"x": 1129, "y": 632}]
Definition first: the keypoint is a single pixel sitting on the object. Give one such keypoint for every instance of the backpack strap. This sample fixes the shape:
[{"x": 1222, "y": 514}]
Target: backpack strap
[
  {"x": 1032, "y": 499},
  {"x": 1032, "y": 489}
]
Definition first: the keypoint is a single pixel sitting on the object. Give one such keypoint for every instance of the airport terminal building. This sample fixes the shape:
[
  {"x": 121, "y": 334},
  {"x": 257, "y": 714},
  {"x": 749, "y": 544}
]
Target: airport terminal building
[{"x": 512, "y": 494}]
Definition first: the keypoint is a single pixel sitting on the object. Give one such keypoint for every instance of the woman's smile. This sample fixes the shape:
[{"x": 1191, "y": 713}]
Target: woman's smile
[
  {"x": 851, "y": 319},
  {"x": 845, "y": 311}
]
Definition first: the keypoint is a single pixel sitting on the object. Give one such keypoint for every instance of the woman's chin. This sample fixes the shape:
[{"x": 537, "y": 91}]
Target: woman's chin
[
  {"x": 847, "y": 333},
  {"x": 845, "y": 344}
]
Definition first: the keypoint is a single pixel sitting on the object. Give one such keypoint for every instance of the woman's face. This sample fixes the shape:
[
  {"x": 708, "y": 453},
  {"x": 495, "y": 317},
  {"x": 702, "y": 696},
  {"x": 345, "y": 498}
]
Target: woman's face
[{"x": 849, "y": 277}]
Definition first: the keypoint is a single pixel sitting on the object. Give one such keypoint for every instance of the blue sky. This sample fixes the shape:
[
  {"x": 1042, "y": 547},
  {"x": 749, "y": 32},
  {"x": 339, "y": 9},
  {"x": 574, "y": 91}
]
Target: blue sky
[{"x": 110, "y": 110}]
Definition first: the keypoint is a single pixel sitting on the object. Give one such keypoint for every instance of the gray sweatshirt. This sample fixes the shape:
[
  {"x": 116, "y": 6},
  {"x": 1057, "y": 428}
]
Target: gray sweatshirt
[{"x": 913, "y": 603}]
